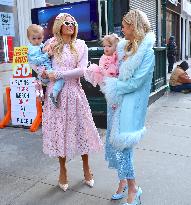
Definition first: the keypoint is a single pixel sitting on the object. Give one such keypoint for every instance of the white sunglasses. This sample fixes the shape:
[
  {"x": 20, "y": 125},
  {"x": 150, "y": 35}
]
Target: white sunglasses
[{"x": 69, "y": 23}]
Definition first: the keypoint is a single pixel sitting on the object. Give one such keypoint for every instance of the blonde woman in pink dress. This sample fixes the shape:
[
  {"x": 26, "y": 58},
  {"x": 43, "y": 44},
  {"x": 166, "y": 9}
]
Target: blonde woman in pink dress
[{"x": 69, "y": 130}]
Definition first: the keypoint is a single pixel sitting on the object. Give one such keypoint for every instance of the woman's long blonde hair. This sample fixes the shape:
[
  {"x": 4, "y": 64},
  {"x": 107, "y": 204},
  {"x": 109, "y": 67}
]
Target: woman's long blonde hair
[
  {"x": 141, "y": 25},
  {"x": 58, "y": 47}
]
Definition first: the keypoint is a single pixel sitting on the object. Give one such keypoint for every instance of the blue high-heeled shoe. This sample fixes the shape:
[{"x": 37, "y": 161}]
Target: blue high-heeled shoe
[
  {"x": 120, "y": 195},
  {"x": 137, "y": 200}
]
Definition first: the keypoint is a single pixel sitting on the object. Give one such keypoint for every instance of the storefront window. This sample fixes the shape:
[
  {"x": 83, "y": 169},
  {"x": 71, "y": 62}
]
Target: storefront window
[
  {"x": 8, "y": 39},
  {"x": 120, "y": 8}
]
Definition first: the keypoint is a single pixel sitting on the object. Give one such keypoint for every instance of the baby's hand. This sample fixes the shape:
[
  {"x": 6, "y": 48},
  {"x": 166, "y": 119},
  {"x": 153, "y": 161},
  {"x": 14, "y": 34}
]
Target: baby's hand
[
  {"x": 48, "y": 49},
  {"x": 44, "y": 74},
  {"x": 51, "y": 76},
  {"x": 44, "y": 49},
  {"x": 50, "y": 52}
]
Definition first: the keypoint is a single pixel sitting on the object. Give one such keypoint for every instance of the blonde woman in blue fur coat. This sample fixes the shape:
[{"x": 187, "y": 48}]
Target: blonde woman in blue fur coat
[{"x": 127, "y": 99}]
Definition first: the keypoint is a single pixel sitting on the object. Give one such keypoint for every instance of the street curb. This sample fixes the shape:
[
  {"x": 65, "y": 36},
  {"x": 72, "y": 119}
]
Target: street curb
[{"x": 157, "y": 94}]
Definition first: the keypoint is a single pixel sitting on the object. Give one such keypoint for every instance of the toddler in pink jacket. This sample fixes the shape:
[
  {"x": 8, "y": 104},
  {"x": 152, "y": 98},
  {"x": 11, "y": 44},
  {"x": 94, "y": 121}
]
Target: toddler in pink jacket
[{"x": 108, "y": 63}]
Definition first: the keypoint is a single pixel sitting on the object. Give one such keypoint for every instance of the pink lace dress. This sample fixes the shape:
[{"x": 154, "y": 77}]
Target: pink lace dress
[{"x": 69, "y": 130}]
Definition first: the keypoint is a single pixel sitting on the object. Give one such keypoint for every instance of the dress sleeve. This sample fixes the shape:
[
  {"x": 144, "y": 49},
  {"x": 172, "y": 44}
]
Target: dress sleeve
[{"x": 79, "y": 70}]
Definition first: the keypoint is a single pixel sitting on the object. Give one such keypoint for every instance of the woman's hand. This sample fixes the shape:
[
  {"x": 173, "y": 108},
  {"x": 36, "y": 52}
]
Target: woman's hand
[
  {"x": 51, "y": 76},
  {"x": 48, "y": 49}
]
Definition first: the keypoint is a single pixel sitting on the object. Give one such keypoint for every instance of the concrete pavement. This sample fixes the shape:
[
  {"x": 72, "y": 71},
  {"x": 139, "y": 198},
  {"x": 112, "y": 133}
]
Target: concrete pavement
[{"x": 162, "y": 163}]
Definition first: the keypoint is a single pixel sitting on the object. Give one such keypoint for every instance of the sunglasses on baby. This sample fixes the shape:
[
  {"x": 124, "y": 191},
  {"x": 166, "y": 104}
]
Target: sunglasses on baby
[{"x": 69, "y": 23}]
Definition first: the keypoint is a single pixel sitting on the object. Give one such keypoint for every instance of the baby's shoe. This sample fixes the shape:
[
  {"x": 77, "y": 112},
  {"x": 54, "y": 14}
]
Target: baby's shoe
[{"x": 54, "y": 101}]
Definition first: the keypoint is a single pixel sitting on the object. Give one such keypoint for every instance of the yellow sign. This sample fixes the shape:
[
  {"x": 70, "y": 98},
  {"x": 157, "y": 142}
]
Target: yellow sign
[
  {"x": 21, "y": 68},
  {"x": 20, "y": 54}
]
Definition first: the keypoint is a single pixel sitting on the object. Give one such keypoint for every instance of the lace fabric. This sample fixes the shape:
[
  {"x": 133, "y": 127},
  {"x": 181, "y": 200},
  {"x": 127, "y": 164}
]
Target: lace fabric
[{"x": 69, "y": 130}]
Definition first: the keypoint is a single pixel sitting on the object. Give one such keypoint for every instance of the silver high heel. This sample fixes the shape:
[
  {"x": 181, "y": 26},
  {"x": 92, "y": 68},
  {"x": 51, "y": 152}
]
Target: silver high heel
[
  {"x": 137, "y": 200},
  {"x": 120, "y": 195},
  {"x": 64, "y": 187}
]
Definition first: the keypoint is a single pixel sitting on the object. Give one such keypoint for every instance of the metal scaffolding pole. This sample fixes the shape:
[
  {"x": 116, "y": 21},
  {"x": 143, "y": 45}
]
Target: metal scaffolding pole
[
  {"x": 110, "y": 16},
  {"x": 163, "y": 22}
]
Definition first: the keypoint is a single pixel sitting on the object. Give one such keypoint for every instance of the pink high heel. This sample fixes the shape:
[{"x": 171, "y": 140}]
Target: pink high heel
[
  {"x": 64, "y": 187},
  {"x": 90, "y": 183}
]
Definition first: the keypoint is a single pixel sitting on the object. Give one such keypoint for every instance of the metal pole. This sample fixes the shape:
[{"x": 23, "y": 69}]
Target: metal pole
[
  {"x": 110, "y": 16},
  {"x": 164, "y": 22}
]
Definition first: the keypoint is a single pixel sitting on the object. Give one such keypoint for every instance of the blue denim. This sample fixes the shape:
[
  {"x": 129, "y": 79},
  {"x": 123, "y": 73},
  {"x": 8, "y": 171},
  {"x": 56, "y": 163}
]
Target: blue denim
[
  {"x": 179, "y": 88},
  {"x": 38, "y": 58}
]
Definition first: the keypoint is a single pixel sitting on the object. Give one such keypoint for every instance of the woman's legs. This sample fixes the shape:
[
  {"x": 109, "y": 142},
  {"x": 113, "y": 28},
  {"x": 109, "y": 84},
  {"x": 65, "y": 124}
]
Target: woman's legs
[
  {"x": 126, "y": 174},
  {"x": 87, "y": 171},
  {"x": 122, "y": 184},
  {"x": 132, "y": 190},
  {"x": 63, "y": 171}
]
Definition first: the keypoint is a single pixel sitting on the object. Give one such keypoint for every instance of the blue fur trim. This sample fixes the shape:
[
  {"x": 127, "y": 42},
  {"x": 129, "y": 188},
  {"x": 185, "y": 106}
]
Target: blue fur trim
[
  {"x": 109, "y": 88},
  {"x": 127, "y": 140},
  {"x": 128, "y": 67}
]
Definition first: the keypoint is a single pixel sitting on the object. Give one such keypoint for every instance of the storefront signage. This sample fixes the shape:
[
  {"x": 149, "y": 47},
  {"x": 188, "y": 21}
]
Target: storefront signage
[
  {"x": 175, "y": 2},
  {"x": 23, "y": 96},
  {"x": 6, "y": 24},
  {"x": 7, "y": 2}
]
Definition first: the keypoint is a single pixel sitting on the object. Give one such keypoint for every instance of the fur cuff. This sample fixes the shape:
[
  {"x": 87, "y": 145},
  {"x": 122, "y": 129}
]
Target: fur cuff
[
  {"x": 109, "y": 88},
  {"x": 127, "y": 139}
]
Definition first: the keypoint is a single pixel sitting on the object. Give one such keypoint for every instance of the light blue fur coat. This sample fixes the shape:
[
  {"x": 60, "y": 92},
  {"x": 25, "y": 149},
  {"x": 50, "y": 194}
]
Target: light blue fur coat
[{"x": 130, "y": 91}]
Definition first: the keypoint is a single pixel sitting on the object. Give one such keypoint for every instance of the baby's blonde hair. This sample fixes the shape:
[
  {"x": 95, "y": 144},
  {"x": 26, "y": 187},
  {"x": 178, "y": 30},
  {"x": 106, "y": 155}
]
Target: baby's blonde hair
[
  {"x": 58, "y": 47},
  {"x": 112, "y": 39},
  {"x": 34, "y": 29},
  {"x": 141, "y": 25}
]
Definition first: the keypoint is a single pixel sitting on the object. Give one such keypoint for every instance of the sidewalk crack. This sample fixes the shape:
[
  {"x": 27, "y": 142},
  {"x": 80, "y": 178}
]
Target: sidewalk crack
[{"x": 164, "y": 152}]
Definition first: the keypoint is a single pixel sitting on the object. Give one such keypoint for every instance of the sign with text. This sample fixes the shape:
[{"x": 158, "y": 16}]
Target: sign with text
[
  {"x": 23, "y": 94},
  {"x": 175, "y": 2},
  {"x": 21, "y": 68},
  {"x": 6, "y": 24},
  {"x": 23, "y": 101}
]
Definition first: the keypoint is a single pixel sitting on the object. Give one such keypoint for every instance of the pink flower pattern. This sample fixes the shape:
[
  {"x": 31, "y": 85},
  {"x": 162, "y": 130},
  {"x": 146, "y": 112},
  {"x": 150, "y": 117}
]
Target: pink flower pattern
[{"x": 69, "y": 130}]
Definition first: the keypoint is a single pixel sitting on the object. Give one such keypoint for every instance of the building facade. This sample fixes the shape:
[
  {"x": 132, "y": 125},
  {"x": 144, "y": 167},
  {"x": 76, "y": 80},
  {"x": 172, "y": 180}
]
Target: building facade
[
  {"x": 150, "y": 7},
  {"x": 186, "y": 29}
]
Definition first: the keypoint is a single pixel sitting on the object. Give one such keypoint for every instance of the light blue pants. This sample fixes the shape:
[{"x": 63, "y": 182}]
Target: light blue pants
[{"x": 58, "y": 85}]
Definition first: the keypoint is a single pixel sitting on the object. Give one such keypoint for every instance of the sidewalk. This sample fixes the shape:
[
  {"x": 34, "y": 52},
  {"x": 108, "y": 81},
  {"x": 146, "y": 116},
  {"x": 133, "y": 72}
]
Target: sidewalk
[{"x": 162, "y": 163}]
